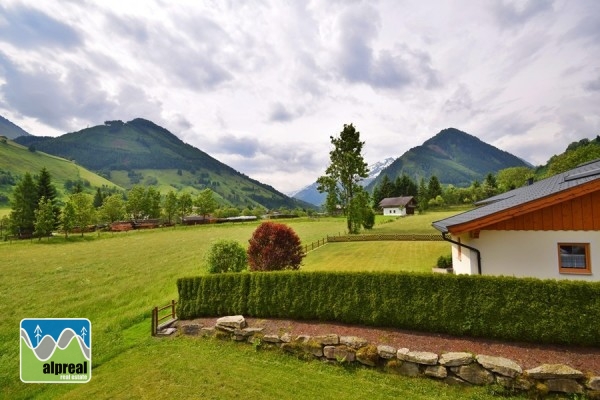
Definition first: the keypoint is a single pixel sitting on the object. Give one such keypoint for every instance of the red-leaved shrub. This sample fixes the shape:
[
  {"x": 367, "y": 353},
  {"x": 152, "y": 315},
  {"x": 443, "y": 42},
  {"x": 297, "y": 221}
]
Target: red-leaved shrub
[{"x": 274, "y": 247}]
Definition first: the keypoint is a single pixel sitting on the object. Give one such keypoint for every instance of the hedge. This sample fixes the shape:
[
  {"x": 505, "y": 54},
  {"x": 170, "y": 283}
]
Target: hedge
[{"x": 517, "y": 309}]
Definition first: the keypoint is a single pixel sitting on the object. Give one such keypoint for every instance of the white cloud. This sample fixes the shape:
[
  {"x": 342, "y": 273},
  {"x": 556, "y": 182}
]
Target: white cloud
[{"x": 262, "y": 85}]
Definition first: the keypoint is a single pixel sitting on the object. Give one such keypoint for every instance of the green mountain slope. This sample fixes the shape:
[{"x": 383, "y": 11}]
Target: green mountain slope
[
  {"x": 16, "y": 159},
  {"x": 141, "y": 152},
  {"x": 455, "y": 157},
  {"x": 10, "y": 130}
]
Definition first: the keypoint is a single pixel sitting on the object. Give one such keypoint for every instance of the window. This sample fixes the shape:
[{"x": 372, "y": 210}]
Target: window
[{"x": 574, "y": 258}]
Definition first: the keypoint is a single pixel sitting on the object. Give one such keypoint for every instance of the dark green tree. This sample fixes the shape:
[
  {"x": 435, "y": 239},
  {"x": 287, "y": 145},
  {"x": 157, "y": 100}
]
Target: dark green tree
[
  {"x": 206, "y": 203},
  {"x": 152, "y": 202},
  {"x": 423, "y": 196},
  {"x": 170, "y": 206},
  {"x": 404, "y": 186},
  {"x": 98, "y": 199},
  {"x": 84, "y": 210},
  {"x": 45, "y": 220},
  {"x": 345, "y": 171},
  {"x": 113, "y": 209},
  {"x": 383, "y": 190},
  {"x": 47, "y": 190},
  {"x": 23, "y": 205},
  {"x": 68, "y": 218},
  {"x": 434, "y": 189},
  {"x": 185, "y": 205}
]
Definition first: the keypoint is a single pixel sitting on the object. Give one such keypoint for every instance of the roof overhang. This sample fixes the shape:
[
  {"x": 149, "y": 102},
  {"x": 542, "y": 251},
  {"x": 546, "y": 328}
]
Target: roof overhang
[{"x": 519, "y": 210}]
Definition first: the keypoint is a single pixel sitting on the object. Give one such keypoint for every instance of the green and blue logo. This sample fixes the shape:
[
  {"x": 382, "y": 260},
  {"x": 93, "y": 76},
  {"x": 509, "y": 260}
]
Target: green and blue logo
[{"x": 56, "y": 350}]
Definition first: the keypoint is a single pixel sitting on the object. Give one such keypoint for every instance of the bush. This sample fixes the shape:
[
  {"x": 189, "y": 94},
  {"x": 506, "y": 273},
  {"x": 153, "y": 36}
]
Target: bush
[
  {"x": 503, "y": 308},
  {"x": 226, "y": 256},
  {"x": 444, "y": 261},
  {"x": 274, "y": 247},
  {"x": 369, "y": 219}
]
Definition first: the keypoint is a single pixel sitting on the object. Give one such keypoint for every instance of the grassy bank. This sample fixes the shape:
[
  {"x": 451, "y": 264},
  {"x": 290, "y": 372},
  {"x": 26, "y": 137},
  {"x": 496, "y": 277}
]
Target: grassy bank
[{"x": 115, "y": 280}]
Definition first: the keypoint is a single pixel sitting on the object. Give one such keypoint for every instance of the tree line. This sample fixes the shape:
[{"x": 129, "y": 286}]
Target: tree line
[{"x": 36, "y": 210}]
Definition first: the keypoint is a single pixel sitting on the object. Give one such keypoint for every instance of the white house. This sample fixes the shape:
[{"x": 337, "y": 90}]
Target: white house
[
  {"x": 549, "y": 229},
  {"x": 398, "y": 206}
]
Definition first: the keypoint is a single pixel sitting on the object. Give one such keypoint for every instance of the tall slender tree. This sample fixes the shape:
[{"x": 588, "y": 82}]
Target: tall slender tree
[
  {"x": 24, "y": 204},
  {"x": 346, "y": 169},
  {"x": 45, "y": 220},
  {"x": 47, "y": 190}
]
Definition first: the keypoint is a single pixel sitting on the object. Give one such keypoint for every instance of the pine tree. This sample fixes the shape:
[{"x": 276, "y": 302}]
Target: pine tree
[
  {"x": 47, "y": 190},
  {"x": 24, "y": 204}
]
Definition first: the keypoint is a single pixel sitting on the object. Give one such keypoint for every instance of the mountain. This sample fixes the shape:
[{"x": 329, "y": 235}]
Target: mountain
[
  {"x": 10, "y": 130},
  {"x": 141, "y": 152},
  {"x": 310, "y": 194},
  {"x": 454, "y": 157},
  {"x": 16, "y": 159}
]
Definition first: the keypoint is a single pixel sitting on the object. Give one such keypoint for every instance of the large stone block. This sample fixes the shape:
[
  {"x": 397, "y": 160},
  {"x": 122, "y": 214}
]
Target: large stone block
[
  {"x": 500, "y": 365},
  {"x": 554, "y": 371},
  {"x": 327, "y": 340},
  {"x": 232, "y": 321},
  {"x": 421, "y": 357},
  {"x": 353, "y": 341},
  {"x": 386, "y": 352},
  {"x": 474, "y": 373},
  {"x": 455, "y": 359},
  {"x": 436, "y": 371},
  {"x": 564, "y": 386}
]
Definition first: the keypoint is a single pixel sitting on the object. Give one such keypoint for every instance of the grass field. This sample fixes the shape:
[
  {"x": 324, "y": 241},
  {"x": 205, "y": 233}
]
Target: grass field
[{"x": 115, "y": 280}]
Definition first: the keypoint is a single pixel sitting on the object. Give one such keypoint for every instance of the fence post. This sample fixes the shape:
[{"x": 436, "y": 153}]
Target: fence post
[
  {"x": 173, "y": 309},
  {"x": 154, "y": 320}
]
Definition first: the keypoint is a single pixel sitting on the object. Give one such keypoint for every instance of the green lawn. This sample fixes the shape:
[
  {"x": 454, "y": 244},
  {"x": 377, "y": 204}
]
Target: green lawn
[{"x": 116, "y": 279}]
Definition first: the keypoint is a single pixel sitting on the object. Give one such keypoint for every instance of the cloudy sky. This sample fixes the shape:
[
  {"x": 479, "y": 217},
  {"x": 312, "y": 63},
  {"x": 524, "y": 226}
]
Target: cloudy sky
[{"x": 262, "y": 85}]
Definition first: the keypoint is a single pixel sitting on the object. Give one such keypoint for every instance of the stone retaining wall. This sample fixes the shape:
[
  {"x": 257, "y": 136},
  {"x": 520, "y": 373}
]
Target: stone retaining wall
[{"x": 453, "y": 368}]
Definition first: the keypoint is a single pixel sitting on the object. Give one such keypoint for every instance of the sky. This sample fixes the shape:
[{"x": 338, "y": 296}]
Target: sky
[{"x": 263, "y": 85}]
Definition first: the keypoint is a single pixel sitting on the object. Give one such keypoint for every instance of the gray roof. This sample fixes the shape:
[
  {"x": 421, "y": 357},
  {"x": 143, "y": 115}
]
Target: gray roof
[
  {"x": 395, "y": 201},
  {"x": 555, "y": 184}
]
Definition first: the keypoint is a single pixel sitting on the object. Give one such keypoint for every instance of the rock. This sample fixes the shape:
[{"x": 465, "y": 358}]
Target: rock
[
  {"x": 401, "y": 353},
  {"x": 327, "y": 339},
  {"x": 339, "y": 353},
  {"x": 422, "y": 357},
  {"x": 385, "y": 351},
  {"x": 474, "y": 373},
  {"x": 404, "y": 368},
  {"x": 286, "y": 338},
  {"x": 594, "y": 383},
  {"x": 207, "y": 331},
  {"x": 191, "y": 329},
  {"x": 564, "y": 386},
  {"x": 353, "y": 341},
  {"x": 233, "y": 321},
  {"x": 271, "y": 339},
  {"x": 500, "y": 365},
  {"x": 436, "y": 371},
  {"x": 368, "y": 355},
  {"x": 514, "y": 384},
  {"x": 246, "y": 332},
  {"x": 554, "y": 371},
  {"x": 166, "y": 331},
  {"x": 455, "y": 359},
  {"x": 454, "y": 381},
  {"x": 313, "y": 347}
]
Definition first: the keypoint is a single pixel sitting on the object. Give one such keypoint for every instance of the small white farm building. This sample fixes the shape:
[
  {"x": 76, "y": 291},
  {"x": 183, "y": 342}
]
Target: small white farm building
[
  {"x": 549, "y": 229},
  {"x": 398, "y": 206}
]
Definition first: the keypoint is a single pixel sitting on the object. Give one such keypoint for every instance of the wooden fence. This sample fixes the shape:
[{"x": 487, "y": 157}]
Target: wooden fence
[
  {"x": 386, "y": 237},
  {"x": 314, "y": 245},
  {"x": 158, "y": 315}
]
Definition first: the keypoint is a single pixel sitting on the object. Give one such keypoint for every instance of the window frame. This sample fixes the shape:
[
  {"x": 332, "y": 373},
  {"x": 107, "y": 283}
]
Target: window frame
[{"x": 572, "y": 270}]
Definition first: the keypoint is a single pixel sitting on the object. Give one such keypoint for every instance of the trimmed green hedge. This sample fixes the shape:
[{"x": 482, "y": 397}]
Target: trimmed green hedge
[{"x": 518, "y": 309}]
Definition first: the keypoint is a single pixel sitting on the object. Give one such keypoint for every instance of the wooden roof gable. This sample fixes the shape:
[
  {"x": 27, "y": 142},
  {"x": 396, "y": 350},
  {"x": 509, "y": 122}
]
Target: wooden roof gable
[{"x": 567, "y": 201}]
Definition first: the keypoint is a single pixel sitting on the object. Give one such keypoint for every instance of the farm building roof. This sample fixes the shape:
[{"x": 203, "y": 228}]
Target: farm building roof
[{"x": 395, "y": 201}]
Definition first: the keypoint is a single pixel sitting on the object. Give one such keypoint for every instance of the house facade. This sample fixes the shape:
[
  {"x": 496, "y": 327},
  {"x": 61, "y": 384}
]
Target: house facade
[
  {"x": 549, "y": 230},
  {"x": 398, "y": 206}
]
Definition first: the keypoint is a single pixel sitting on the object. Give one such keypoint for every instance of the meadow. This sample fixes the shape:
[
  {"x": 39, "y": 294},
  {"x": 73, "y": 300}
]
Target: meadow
[{"x": 115, "y": 279}]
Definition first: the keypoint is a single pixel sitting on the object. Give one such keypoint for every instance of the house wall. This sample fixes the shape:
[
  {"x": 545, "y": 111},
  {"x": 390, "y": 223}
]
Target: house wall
[
  {"x": 394, "y": 211},
  {"x": 524, "y": 253}
]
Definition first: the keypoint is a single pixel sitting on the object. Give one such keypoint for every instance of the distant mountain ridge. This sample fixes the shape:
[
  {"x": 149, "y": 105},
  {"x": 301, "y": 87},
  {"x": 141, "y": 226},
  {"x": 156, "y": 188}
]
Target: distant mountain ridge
[
  {"x": 10, "y": 130},
  {"x": 454, "y": 157},
  {"x": 310, "y": 194},
  {"x": 141, "y": 152}
]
